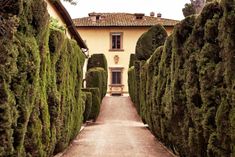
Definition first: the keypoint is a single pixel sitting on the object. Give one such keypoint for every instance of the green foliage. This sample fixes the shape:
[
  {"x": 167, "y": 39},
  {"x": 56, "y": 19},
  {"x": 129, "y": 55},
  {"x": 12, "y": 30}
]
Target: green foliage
[
  {"x": 137, "y": 85},
  {"x": 132, "y": 60},
  {"x": 40, "y": 80},
  {"x": 186, "y": 89},
  {"x": 142, "y": 87},
  {"x": 95, "y": 109},
  {"x": 54, "y": 24},
  {"x": 88, "y": 105},
  {"x": 96, "y": 77},
  {"x": 97, "y": 60},
  {"x": 149, "y": 41},
  {"x": 12, "y": 7},
  {"x": 131, "y": 83},
  {"x": 96, "y": 81},
  {"x": 188, "y": 10},
  {"x": 195, "y": 7},
  {"x": 97, "y": 73},
  {"x": 8, "y": 26}
]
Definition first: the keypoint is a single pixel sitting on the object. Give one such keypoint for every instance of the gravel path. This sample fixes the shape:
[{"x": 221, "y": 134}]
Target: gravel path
[{"x": 118, "y": 132}]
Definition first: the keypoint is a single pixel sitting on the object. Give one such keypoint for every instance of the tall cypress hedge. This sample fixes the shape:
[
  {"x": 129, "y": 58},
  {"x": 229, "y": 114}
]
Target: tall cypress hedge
[
  {"x": 97, "y": 73},
  {"x": 97, "y": 77},
  {"x": 132, "y": 60},
  {"x": 193, "y": 101},
  {"x": 87, "y": 97},
  {"x": 96, "y": 102},
  {"x": 149, "y": 41},
  {"x": 40, "y": 83},
  {"x": 131, "y": 83},
  {"x": 97, "y": 60}
]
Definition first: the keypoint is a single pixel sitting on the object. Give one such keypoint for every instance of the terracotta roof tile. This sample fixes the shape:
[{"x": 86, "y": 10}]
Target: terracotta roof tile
[{"x": 122, "y": 19}]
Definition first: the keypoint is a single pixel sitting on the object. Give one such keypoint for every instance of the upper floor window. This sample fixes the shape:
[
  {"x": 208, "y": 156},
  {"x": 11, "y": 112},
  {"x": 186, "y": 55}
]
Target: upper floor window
[{"x": 116, "y": 41}]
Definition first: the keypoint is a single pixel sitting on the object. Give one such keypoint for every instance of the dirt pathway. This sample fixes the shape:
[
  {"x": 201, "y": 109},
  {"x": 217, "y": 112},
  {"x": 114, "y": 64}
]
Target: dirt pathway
[{"x": 118, "y": 132}]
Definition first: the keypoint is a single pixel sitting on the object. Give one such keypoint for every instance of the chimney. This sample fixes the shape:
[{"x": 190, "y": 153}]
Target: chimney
[
  {"x": 159, "y": 15},
  {"x": 94, "y": 17},
  {"x": 152, "y": 14}
]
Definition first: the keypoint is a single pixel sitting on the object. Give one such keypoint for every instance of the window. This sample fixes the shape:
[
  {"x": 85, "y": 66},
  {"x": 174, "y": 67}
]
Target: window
[
  {"x": 115, "y": 83},
  {"x": 116, "y": 77},
  {"x": 116, "y": 41}
]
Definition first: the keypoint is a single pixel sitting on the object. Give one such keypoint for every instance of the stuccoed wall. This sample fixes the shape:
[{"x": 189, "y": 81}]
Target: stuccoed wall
[
  {"x": 192, "y": 110},
  {"x": 40, "y": 83}
]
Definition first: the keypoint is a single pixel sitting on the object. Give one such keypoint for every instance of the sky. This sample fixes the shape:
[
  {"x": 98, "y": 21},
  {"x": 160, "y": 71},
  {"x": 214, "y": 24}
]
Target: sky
[{"x": 171, "y": 9}]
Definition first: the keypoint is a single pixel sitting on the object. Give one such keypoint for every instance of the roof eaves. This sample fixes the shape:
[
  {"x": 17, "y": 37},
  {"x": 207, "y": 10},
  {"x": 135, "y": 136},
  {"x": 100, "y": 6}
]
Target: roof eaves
[{"x": 69, "y": 23}]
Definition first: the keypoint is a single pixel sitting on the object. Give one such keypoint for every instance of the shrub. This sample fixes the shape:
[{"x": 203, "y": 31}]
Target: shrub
[
  {"x": 40, "y": 81},
  {"x": 95, "y": 109},
  {"x": 142, "y": 91},
  {"x": 131, "y": 83},
  {"x": 97, "y": 60},
  {"x": 188, "y": 9},
  {"x": 137, "y": 85},
  {"x": 191, "y": 83},
  {"x": 132, "y": 60},
  {"x": 149, "y": 41},
  {"x": 96, "y": 77},
  {"x": 152, "y": 79},
  {"x": 88, "y": 105}
]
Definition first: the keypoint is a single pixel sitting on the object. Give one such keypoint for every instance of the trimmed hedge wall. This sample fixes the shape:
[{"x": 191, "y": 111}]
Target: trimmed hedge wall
[
  {"x": 97, "y": 73},
  {"x": 96, "y": 82},
  {"x": 87, "y": 97},
  {"x": 187, "y": 88},
  {"x": 96, "y": 102},
  {"x": 97, "y": 77},
  {"x": 131, "y": 82},
  {"x": 97, "y": 60},
  {"x": 149, "y": 41},
  {"x": 132, "y": 60},
  {"x": 41, "y": 108}
]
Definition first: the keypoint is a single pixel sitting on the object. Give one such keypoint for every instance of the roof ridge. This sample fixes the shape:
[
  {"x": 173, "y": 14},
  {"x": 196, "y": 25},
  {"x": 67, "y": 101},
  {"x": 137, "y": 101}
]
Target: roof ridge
[
  {"x": 122, "y": 19},
  {"x": 125, "y": 14}
]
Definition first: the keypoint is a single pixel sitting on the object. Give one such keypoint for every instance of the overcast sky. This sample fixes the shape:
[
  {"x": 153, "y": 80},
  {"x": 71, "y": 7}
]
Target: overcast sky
[{"x": 168, "y": 8}]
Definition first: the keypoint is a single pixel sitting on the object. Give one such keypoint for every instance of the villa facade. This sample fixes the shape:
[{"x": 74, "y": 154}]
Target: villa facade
[{"x": 116, "y": 35}]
